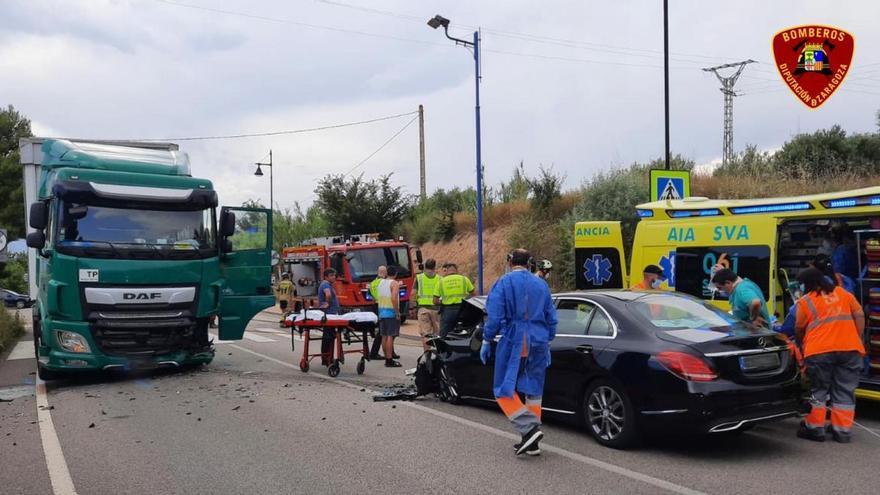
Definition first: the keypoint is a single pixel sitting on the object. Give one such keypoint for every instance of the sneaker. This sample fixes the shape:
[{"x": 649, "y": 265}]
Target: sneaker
[
  {"x": 810, "y": 434},
  {"x": 531, "y": 438},
  {"x": 533, "y": 450},
  {"x": 390, "y": 363}
]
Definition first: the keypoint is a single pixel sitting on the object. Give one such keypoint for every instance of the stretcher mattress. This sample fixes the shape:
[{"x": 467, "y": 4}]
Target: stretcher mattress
[{"x": 316, "y": 314}]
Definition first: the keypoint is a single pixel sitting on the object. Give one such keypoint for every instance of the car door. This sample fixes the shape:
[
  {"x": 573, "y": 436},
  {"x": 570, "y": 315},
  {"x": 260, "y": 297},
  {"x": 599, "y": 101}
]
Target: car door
[
  {"x": 245, "y": 263},
  {"x": 584, "y": 330}
]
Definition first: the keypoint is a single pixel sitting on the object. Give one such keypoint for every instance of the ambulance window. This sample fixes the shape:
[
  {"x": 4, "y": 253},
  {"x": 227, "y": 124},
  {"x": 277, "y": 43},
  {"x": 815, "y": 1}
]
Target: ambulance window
[
  {"x": 693, "y": 266},
  {"x": 574, "y": 316}
]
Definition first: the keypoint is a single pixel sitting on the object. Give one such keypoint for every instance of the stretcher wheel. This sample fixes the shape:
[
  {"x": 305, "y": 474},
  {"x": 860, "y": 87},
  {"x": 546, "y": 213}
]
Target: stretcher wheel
[
  {"x": 304, "y": 366},
  {"x": 333, "y": 370},
  {"x": 362, "y": 365}
]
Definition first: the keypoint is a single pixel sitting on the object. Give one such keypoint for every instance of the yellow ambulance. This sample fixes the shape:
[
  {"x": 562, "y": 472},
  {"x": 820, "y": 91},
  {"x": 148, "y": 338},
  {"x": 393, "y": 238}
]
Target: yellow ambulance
[{"x": 765, "y": 240}]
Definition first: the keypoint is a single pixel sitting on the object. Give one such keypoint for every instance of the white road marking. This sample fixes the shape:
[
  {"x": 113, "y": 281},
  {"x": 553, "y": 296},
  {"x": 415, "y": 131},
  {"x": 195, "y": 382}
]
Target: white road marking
[
  {"x": 257, "y": 338},
  {"x": 59, "y": 475},
  {"x": 218, "y": 341},
  {"x": 24, "y": 349},
  {"x": 607, "y": 466},
  {"x": 869, "y": 430}
]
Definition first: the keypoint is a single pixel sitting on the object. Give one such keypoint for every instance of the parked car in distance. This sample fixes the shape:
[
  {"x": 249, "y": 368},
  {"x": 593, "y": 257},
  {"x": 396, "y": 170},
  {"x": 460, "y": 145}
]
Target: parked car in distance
[
  {"x": 13, "y": 299},
  {"x": 626, "y": 363}
]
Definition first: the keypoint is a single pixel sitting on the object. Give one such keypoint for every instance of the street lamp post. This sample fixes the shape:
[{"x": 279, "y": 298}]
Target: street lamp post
[
  {"x": 259, "y": 173},
  {"x": 436, "y": 22}
]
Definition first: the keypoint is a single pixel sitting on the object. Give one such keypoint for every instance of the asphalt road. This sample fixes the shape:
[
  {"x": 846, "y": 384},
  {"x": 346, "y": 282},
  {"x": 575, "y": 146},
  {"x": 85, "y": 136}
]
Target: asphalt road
[{"x": 252, "y": 422}]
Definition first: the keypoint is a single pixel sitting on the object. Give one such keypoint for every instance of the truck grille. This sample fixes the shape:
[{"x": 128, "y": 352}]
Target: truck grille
[
  {"x": 125, "y": 329},
  {"x": 143, "y": 337}
]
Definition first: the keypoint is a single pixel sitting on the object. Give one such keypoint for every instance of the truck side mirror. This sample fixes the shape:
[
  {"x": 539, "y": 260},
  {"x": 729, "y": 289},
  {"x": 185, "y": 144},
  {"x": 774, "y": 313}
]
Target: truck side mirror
[
  {"x": 227, "y": 224},
  {"x": 419, "y": 256},
  {"x": 36, "y": 240},
  {"x": 39, "y": 217}
]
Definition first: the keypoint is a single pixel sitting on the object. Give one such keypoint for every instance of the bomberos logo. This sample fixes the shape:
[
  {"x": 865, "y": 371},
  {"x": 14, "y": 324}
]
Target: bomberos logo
[{"x": 813, "y": 61}]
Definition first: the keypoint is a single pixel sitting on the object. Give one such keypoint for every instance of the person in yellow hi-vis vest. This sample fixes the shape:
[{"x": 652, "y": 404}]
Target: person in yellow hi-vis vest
[
  {"x": 381, "y": 274},
  {"x": 449, "y": 293},
  {"x": 284, "y": 292},
  {"x": 429, "y": 317}
]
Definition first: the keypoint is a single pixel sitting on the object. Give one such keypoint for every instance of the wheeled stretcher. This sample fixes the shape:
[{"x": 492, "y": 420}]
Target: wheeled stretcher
[{"x": 350, "y": 328}]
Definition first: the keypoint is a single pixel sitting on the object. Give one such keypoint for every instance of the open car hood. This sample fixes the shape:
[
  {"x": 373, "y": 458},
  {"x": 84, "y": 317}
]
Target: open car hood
[{"x": 472, "y": 311}]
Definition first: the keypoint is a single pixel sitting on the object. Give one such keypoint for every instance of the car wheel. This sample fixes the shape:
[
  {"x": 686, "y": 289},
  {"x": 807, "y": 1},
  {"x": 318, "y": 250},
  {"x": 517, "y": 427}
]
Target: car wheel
[
  {"x": 19, "y": 304},
  {"x": 609, "y": 415}
]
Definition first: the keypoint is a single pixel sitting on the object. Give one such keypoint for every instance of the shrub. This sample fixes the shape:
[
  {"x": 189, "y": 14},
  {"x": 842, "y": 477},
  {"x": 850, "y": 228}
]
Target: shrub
[
  {"x": 546, "y": 188},
  {"x": 11, "y": 328}
]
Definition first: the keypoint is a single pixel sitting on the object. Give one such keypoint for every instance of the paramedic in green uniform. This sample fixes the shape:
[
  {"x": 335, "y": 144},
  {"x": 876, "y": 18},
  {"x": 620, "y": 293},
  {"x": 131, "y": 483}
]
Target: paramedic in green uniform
[{"x": 747, "y": 302}]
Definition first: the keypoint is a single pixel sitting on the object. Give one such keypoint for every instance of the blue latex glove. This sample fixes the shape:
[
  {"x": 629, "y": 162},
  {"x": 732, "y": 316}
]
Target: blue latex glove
[{"x": 485, "y": 352}]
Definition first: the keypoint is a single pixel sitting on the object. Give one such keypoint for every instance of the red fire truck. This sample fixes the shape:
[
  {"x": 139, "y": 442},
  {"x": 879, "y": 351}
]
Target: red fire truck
[{"x": 356, "y": 260}]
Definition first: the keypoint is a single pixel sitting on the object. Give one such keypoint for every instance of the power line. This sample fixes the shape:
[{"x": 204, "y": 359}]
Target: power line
[
  {"x": 297, "y": 23},
  {"x": 278, "y": 133},
  {"x": 386, "y": 143}
]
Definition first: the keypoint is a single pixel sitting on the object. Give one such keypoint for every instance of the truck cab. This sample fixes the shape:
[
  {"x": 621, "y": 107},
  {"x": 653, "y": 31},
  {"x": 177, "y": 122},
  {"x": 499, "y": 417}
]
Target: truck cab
[
  {"x": 356, "y": 260},
  {"x": 131, "y": 259}
]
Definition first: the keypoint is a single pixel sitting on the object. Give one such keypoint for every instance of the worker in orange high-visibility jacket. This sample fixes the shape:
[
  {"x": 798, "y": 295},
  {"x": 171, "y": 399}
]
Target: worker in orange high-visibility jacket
[{"x": 830, "y": 324}]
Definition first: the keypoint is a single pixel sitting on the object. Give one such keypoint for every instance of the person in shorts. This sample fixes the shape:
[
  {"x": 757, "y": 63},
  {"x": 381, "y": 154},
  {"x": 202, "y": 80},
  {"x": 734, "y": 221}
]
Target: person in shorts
[{"x": 388, "y": 299}]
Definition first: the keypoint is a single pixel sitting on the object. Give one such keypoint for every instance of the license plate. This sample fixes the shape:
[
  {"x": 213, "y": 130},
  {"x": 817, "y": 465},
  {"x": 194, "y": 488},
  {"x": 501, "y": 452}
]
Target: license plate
[{"x": 759, "y": 362}]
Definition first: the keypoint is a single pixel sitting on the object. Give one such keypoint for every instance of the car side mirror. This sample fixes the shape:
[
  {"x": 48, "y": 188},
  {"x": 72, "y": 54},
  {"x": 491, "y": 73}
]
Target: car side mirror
[
  {"x": 39, "y": 216},
  {"x": 227, "y": 223},
  {"x": 36, "y": 240}
]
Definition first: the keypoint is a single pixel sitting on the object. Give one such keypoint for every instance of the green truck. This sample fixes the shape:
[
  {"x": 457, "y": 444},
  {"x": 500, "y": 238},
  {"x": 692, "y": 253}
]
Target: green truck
[{"x": 131, "y": 262}]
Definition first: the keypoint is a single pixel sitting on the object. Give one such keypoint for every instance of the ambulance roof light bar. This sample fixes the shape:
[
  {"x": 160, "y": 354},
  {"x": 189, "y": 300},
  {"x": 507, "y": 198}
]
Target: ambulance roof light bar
[
  {"x": 852, "y": 202},
  {"x": 781, "y": 207}
]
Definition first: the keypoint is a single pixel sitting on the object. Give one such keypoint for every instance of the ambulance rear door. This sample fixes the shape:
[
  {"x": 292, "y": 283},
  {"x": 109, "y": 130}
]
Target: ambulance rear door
[{"x": 599, "y": 256}]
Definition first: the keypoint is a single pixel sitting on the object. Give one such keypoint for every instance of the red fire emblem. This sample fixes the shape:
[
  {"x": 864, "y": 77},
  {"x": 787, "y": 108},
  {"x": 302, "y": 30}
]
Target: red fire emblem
[{"x": 813, "y": 61}]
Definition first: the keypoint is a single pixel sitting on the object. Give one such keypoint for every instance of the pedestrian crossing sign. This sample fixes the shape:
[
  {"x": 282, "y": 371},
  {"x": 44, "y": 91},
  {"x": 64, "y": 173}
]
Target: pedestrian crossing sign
[{"x": 670, "y": 184}]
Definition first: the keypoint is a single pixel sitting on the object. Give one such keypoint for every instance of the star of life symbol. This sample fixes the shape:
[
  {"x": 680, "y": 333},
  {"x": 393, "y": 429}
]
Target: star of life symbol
[
  {"x": 598, "y": 269},
  {"x": 667, "y": 263}
]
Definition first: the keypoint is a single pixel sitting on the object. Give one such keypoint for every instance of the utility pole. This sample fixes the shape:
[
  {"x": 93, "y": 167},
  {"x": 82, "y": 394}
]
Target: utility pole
[
  {"x": 423, "y": 192},
  {"x": 727, "y": 84},
  {"x": 666, "y": 76}
]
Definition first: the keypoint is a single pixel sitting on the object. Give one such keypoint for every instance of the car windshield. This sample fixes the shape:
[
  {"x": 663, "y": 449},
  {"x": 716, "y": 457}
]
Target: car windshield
[
  {"x": 364, "y": 263},
  {"x": 668, "y": 311},
  {"x": 81, "y": 224}
]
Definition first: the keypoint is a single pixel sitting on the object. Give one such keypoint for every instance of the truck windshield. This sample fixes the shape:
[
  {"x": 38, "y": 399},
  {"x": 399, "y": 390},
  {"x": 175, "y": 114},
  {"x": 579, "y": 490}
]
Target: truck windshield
[
  {"x": 121, "y": 230},
  {"x": 364, "y": 263}
]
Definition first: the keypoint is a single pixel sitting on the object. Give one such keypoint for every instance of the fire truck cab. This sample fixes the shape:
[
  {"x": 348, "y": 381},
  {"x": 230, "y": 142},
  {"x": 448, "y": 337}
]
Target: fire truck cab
[{"x": 356, "y": 260}]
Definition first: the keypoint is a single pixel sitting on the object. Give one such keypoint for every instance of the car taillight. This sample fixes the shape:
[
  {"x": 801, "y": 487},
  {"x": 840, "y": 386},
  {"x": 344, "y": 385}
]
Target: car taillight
[{"x": 687, "y": 366}]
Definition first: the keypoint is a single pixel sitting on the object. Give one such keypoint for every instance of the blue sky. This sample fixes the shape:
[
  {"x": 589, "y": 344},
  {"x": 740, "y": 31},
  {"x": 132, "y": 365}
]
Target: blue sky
[{"x": 573, "y": 84}]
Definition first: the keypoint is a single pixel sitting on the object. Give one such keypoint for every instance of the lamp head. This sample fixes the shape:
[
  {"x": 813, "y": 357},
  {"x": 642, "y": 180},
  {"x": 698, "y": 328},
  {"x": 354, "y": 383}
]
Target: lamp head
[
  {"x": 438, "y": 21},
  {"x": 259, "y": 172}
]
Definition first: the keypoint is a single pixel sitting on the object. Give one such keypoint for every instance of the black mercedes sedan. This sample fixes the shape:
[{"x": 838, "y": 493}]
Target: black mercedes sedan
[{"x": 626, "y": 363}]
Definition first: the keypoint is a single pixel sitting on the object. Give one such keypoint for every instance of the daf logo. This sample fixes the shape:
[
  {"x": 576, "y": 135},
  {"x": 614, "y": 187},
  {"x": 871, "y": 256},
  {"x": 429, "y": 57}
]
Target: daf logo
[
  {"x": 762, "y": 342},
  {"x": 141, "y": 296}
]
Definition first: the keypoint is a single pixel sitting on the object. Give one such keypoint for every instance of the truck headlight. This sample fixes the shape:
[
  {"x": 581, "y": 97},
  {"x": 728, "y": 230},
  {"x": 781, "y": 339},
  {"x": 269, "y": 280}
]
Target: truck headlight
[{"x": 73, "y": 342}]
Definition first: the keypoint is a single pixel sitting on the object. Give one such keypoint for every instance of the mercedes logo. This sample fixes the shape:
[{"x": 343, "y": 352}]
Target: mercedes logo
[{"x": 762, "y": 342}]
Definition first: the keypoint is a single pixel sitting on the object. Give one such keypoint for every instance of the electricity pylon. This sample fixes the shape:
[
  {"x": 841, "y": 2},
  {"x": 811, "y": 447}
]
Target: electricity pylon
[{"x": 727, "y": 89}]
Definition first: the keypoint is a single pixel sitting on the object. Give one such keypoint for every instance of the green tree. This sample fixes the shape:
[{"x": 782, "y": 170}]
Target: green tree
[
  {"x": 545, "y": 188},
  {"x": 355, "y": 205},
  {"x": 13, "y": 271},
  {"x": 13, "y": 126},
  {"x": 515, "y": 189}
]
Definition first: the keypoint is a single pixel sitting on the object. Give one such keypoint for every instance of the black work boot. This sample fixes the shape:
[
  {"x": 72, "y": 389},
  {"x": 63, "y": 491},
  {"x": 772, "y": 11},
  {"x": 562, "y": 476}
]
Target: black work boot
[{"x": 810, "y": 433}]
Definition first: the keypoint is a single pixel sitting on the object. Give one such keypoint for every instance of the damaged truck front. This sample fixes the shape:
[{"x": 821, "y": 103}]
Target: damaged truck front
[{"x": 130, "y": 260}]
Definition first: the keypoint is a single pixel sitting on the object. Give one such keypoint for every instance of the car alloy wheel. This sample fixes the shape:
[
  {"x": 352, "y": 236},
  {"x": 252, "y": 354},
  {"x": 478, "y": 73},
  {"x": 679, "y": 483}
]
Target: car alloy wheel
[
  {"x": 19, "y": 304},
  {"x": 606, "y": 413}
]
